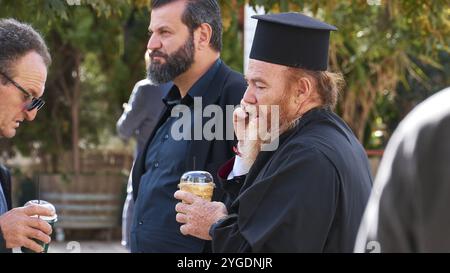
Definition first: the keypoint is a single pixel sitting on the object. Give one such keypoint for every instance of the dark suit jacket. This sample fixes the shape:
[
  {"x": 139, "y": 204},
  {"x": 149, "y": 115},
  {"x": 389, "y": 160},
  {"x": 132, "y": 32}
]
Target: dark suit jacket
[
  {"x": 144, "y": 107},
  {"x": 226, "y": 88},
  {"x": 5, "y": 180}
]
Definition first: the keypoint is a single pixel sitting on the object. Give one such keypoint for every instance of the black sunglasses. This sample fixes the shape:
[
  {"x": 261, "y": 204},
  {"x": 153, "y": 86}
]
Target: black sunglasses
[{"x": 36, "y": 103}]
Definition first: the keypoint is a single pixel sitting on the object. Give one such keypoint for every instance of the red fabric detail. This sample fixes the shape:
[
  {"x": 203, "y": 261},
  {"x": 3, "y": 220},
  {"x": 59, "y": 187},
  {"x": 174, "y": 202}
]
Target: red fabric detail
[{"x": 226, "y": 169}]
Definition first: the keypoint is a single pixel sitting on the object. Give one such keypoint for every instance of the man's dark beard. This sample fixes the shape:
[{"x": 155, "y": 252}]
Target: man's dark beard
[{"x": 175, "y": 65}]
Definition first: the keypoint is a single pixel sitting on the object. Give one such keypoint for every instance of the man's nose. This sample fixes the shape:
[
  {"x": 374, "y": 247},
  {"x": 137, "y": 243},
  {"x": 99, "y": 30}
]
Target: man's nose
[
  {"x": 30, "y": 115},
  {"x": 249, "y": 96},
  {"x": 154, "y": 42}
]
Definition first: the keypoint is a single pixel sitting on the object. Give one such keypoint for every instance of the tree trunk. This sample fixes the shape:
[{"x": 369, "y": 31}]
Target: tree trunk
[
  {"x": 76, "y": 119},
  {"x": 360, "y": 99}
]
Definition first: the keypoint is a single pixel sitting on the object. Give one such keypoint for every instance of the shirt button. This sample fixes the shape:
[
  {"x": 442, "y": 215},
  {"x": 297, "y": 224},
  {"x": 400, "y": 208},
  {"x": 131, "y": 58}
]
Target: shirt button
[
  {"x": 141, "y": 223},
  {"x": 156, "y": 165},
  {"x": 166, "y": 137}
]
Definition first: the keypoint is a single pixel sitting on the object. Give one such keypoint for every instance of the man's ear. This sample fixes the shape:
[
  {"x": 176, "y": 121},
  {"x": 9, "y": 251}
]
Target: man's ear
[
  {"x": 203, "y": 36},
  {"x": 302, "y": 94},
  {"x": 303, "y": 88}
]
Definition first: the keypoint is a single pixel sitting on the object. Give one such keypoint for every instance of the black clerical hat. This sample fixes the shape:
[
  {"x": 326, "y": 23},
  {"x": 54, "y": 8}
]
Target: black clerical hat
[{"x": 292, "y": 39}]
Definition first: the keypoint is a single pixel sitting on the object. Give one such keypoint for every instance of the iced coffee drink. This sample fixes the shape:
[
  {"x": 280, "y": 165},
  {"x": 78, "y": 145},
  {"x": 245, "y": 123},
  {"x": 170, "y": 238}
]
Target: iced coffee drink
[{"x": 200, "y": 183}]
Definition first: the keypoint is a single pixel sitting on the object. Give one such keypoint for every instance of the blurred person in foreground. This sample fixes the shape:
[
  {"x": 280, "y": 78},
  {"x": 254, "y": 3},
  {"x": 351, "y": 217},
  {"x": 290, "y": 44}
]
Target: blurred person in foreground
[{"x": 408, "y": 207}]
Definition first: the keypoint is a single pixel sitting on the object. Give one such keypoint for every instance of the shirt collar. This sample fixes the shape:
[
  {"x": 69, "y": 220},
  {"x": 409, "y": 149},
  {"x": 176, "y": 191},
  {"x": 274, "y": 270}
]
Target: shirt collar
[{"x": 197, "y": 90}]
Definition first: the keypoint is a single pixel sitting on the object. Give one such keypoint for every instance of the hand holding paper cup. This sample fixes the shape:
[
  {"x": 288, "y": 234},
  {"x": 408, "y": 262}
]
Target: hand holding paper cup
[{"x": 49, "y": 219}]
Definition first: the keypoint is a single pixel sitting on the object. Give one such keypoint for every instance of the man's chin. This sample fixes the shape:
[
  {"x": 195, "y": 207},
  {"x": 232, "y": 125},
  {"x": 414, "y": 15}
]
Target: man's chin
[
  {"x": 157, "y": 80},
  {"x": 8, "y": 134}
]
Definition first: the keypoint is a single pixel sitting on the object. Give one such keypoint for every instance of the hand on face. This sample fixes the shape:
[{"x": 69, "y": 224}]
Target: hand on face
[
  {"x": 19, "y": 228},
  {"x": 245, "y": 121},
  {"x": 240, "y": 122},
  {"x": 197, "y": 215}
]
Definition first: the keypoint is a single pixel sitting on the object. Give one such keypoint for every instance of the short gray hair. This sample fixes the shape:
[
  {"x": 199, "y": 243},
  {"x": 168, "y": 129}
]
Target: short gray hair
[{"x": 16, "y": 40}]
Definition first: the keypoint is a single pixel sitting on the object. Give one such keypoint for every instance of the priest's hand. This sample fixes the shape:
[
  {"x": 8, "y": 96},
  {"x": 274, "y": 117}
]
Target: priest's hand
[
  {"x": 245, "y": 118},
  {"x": 240, "y": 122},
  {"x": 197, "y": 215}
]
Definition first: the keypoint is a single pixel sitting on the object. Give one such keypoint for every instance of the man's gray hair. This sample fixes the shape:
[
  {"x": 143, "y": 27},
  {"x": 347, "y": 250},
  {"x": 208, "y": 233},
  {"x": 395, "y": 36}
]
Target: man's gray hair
[{"x": 16, "y": 40}]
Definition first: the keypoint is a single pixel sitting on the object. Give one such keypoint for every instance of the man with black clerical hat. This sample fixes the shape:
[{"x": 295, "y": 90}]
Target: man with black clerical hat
[{"x": 308, "y": 194}]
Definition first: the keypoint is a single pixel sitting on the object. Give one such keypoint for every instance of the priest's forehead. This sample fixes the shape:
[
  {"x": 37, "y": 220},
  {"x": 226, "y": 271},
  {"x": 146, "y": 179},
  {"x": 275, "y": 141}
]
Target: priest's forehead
[{"x": 264, "y": 71}]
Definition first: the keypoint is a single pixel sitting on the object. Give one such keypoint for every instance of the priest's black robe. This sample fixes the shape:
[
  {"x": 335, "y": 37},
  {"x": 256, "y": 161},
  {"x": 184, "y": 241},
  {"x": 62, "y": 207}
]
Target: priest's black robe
[{"x": 309, "y": 195}]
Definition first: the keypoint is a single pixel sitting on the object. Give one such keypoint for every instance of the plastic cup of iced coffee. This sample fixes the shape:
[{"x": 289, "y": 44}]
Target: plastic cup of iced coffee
[{"x": 200, "y": 183}]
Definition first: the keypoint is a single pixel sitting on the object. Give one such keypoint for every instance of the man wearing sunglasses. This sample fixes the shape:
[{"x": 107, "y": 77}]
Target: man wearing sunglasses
[{"x": 24, "y": 59}]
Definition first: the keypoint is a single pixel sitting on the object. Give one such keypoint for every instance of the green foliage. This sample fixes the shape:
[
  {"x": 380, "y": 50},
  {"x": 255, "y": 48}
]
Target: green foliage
[
  {"x": 232, "y": 52},
  {"x": 381, "y": 47},
  {"x": 109, "y": 37}
]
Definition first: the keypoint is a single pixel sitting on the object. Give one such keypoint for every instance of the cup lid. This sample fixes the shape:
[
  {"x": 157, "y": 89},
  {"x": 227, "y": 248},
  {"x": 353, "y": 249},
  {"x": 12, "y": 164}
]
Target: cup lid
[
  {"x": 46, "y": 204},
  {"x": 197, "y": 177}
]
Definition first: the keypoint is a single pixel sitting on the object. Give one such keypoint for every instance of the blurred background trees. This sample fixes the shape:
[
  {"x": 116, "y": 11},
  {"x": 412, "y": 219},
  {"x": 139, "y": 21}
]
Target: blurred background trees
[{"x": 393, "y": 54}]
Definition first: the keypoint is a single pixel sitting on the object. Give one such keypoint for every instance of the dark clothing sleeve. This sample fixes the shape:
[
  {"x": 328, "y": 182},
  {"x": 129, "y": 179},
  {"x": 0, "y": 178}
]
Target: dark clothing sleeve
[
  {"x": 232, "y": 186},
  {"x": 3, "y": 248},
  {"x": 408, "y": 208},
  {"x": 145, "y": 104},
  {"x": 227, "y": 238},
  {"x": 226, "y": 229},
  {"x": 414, "y": 205},
  {"x": 289, "y": 208},
  {"x": 396, "y": 219},
  {"x": 5, "y": 179}
]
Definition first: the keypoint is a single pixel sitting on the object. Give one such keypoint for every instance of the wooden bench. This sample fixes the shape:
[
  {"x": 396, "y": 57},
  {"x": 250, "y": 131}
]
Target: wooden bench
[
  {"x": 95, "y": 202},
  {"x": 77, "y": 211}
]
